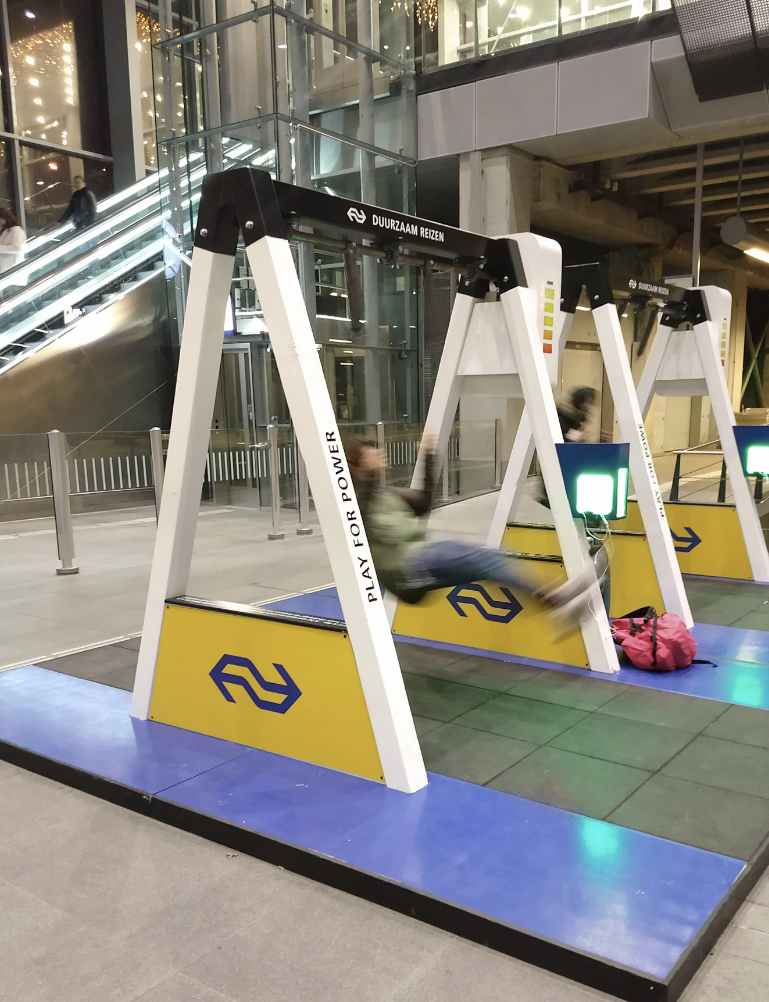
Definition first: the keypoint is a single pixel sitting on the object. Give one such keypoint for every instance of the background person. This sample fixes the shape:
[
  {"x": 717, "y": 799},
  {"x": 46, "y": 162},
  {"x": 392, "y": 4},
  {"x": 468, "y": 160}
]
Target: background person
[
  {"x": 82, "y": 205},
  {"x": 12, "y": 240},
  {"x": 575, "y": 414}
]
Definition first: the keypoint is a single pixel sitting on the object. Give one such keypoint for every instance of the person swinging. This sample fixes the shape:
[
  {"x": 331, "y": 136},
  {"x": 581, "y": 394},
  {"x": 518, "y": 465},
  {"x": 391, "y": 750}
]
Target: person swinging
[{"x": 410, "y": 566}]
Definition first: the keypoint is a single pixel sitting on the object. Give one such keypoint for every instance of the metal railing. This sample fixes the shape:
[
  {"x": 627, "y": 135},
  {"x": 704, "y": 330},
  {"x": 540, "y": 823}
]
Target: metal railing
[
  {"x": 700, "y": 472},
  {"x": 120, "y": 469}
]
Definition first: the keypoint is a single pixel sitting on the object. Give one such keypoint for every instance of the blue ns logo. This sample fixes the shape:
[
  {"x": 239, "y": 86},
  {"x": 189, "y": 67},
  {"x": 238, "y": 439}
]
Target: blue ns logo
[
  {"x": 476, "y": 594},
  {"x": 287, "y": 688}
]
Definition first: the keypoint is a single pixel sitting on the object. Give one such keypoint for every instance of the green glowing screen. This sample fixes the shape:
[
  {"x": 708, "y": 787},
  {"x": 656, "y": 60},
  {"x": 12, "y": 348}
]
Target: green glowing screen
[
  {"x": 622, "y": 475},
  {"x": 758, "y": 459},
  {"x": 595, "y": 494}
]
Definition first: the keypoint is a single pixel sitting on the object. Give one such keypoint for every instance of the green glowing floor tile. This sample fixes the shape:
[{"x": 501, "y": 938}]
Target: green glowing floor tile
[
  {"x": 500, "y": 676},
  {"x": 718, "y": 820},
  {"x": 577, "y": 783},
  {"x": 685, "y": 713},
  {"x": 731, "y": 766},
  {"x": 580, "y": 691},
  {"x": 743, "y": 724},
  {"x": 441, "y": 700},
  {"x": 629, "y": 742},
  {"x": 525, "y": 719},
  {"x": 470, "y": 755}
]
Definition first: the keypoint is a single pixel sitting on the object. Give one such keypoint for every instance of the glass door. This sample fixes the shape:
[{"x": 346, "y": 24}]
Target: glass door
[{"x": 235, "y": 467}]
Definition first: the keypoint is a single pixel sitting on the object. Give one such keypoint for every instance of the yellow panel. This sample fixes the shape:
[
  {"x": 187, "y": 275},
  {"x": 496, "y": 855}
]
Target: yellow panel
[
  {"x": 327, "y": 724},
  {"x": 709, "y": 539},
  {"x": 470, "y": 617},
  {"x": 633, "y": 578}
]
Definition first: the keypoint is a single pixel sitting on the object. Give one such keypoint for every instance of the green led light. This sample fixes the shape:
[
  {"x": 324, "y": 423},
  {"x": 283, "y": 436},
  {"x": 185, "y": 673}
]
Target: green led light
[
  {"x": 595, "y": 494},
  {"x": 758, "y": 459},
  {"x": 621, "y": 492}
]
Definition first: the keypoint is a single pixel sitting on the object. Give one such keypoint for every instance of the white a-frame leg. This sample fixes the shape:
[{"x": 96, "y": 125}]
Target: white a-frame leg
[
  {"x": 524, "y": 268},
  {"x": 691, "y": 363},
  {"x": 245, "y": 201},
  {"x": 631, "y": 427}
]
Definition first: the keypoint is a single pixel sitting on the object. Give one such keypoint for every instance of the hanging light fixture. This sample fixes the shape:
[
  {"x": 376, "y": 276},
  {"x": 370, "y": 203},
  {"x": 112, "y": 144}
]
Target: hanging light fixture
[{"x": 425, "y": 10}]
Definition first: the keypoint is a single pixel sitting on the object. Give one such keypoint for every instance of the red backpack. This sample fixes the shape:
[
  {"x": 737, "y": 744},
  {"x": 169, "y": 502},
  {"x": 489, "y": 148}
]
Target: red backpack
[{"x": 656, "y": 643}]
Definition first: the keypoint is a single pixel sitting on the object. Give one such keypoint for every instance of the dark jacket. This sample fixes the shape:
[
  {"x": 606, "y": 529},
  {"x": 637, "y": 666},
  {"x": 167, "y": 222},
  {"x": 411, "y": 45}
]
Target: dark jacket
[{"x": 81, "y": 209}]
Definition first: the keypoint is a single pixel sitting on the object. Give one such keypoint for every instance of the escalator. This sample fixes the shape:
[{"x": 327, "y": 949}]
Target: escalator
[{"x": 69, "y": 275}]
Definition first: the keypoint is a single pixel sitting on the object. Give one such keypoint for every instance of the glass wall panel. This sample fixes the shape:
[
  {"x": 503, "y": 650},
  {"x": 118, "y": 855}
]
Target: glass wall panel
[
  {"x": 580, "y": 15},
  {"x": 48, "y": 181},
  {"x": 464, "y": 29},
  {"x": 7, "y": 200},
  {"x": 147, "y": 32},
  {"x": 58, "y": 72},
  {"x": 324, "y": 81}
]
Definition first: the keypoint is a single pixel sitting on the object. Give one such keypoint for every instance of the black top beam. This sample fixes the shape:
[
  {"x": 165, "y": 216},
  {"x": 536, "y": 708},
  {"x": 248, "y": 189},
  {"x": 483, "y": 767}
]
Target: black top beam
[
  {"x": 248, "y": 200},
  {"x": 343, "y": 216}
]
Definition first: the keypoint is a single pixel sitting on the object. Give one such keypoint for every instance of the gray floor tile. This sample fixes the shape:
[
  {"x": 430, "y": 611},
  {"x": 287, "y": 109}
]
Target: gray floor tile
[
  {"x": 180, "y": 988},
  {"x": 686, "y": 713},
  {"x": 123, "y": 678},
  {"x": 617, "y": 739},
  {"x": 588, "y": 786},
  {"x": 747, "y": 943},
  {"x": 579, "y": 691},
  {"x": 464, "y": 972},
  {"x": 98, "y": 661},
  {"x": 441, "y": 700},
  {"x": 351, "y": 951},
  {"x": 725, "y": 978},
  {"x": 525, "y": 719},
  {"x": 49, "y": 956},
  {"x": 470, "y": 755},
  {"x": 731, "y": 766},
  {"x": 719, "y": 820},
  {"x": 742, "y": 723},
  {"x": 31, "y": 803},
  {"x": 181, "y": 905},
  {"x": 760, "y": 892},
  {"x": 68, "y": 862},
  {"x": 7, "y": 770},
  {"x": 130, "y": 645},
  {"x": 755, "y": 916}
]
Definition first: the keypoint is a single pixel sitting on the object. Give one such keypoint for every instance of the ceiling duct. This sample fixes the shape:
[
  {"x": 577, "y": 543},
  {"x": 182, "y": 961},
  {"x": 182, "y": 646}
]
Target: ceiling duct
[{"x": 726, "y": 43}]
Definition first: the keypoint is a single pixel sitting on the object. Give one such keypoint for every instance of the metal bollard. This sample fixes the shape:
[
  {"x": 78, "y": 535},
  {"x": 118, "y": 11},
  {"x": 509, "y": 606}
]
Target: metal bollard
[
  {"x": 272, "y": 439},
  {"x": 382, "y": 446},
  {"x": 497, "y": 452},
  {"x": 304, "y": 528},
  {"x": 158, "y": 470},
  {"x": 65, "y": 540}
]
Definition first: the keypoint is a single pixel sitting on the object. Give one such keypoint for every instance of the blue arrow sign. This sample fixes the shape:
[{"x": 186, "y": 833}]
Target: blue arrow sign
[
  {"x": 463, "y": 595},
  {"x": 690, "y": 541},
  {"x": 287, "y": 688}
]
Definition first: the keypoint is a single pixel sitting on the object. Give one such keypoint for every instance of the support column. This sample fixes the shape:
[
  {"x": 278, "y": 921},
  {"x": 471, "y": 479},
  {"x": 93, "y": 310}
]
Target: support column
[
  {"x": 123, "y": 92},
  {"x": 368, "y": 194}
]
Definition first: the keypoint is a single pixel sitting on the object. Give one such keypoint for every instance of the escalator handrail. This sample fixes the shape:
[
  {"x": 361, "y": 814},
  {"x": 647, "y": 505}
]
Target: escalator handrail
[{"x": 38, "y": 253}]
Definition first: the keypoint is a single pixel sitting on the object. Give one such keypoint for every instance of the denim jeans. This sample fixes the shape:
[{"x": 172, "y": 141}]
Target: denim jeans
[{"x": 451, "y": 562}]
